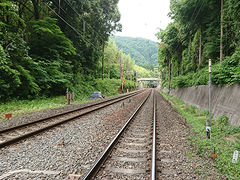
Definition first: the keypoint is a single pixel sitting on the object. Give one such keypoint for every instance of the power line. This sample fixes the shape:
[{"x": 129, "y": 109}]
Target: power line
[
  {"x": 69, "y": 4},
  {"x": 194, "y": 9},
  {"x": 196, "y": 14},
  {"x": 92, "y": 29},
  {"x": 198, "y": 11},
  {"x": 71, "y": 26},
  {"x": 60, "y": 8}
]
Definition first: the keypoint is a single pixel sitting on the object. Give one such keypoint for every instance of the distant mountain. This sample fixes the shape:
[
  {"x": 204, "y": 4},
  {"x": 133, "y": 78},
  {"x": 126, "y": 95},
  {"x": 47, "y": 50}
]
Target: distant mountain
[{"x": 144, "y": 51}]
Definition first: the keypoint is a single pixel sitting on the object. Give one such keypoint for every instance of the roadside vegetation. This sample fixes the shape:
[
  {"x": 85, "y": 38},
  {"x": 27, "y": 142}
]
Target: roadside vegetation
[
  {"x": 47, "y": 47},
  {"x": 108, "y": 87},
  {"x": 144, "y": 51},
  {"x": 224, "y": 140},
  {"x": 194, "y": 36}
]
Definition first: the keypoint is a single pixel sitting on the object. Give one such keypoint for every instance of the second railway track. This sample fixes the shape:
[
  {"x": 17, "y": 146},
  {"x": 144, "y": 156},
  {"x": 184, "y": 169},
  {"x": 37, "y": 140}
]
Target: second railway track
[{"x": 18, "y": 133}]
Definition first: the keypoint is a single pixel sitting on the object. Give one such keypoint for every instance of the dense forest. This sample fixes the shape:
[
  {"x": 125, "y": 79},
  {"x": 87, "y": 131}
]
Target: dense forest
[
  {"x": 49, "y": 46},
  {"x": 144, "y": 51},
  {"x": 117, "y": 62},
  {"x": 201, "y": 30}
]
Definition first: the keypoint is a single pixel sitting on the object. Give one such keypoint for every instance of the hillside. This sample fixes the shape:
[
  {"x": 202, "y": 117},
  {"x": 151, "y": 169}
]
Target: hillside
[{"x": 144, "y": 51}]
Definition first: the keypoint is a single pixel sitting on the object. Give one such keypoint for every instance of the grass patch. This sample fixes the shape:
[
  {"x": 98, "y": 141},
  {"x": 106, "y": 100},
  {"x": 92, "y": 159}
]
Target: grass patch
[
  {"x": 108, "y": 87},
  {"x": 20, "y": 107},
  {"x": 224, "y": 138}
]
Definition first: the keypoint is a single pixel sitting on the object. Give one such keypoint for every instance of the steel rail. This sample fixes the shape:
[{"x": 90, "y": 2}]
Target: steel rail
[
  {"x": 97, "y": 165},
  {"x": 64, "y": 113},
  {"x": 30, "y": 134},
  {"x": 154, "y": 140}
]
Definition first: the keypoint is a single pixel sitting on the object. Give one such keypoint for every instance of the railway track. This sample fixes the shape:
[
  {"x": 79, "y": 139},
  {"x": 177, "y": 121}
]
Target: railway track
[
  {"x": 18, "y": 133},
  {"x": 132, "y": 152}
]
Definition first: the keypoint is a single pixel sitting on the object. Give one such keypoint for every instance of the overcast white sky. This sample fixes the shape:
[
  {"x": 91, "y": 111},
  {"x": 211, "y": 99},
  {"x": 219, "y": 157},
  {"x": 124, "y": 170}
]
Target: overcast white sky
[{"x": 141, "y": 18}]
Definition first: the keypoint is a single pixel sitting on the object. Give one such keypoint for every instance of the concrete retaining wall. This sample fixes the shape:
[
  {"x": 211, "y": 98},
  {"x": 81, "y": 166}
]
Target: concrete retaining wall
[{"x": 225, "y": 100}]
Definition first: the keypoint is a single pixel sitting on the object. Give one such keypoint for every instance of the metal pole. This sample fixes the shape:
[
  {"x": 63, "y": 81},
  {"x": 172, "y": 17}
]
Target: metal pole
[
  {"x": 59, "y": 5},
  {"x": 122, "y": 73},
  {"x": 221, "y": 35},
  {"x": 169, "y": 76},
  {"x": 208, "y": 122},
  {"x": 136, "y": 79},
  {"x": 103, "y": 61}
]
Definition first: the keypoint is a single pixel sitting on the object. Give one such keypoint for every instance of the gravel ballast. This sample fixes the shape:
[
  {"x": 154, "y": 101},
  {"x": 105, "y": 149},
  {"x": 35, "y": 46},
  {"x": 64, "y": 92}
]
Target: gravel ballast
[
  {"x": 130, "y": 158},
  {"x": 72, "y": 148},
  {"x": 68, "y": 149},
  {"x": 176, "y": 159},
  {"x": 31, "y": 117}
]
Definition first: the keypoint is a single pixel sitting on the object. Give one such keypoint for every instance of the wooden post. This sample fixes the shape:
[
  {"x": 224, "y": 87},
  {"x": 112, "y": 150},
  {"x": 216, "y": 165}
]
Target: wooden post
[{"x": 68, "y": 98}]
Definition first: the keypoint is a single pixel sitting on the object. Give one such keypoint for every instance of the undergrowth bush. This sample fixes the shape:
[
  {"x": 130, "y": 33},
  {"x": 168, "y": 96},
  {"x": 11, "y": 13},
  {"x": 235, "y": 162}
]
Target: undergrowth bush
[
  {"x": 226, "y": 72},
  {"x": 108, "y": 87},
  {"x": 225, "y": 139}
]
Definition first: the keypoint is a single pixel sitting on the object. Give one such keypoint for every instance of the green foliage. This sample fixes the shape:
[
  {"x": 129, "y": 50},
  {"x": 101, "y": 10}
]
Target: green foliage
[
  {"x": 41, "y": 55},
  {"x": 227, "y": 72},
  {"x": 142, "y": 50},
  {"x": 222, "y": 120},
  {"x": 53, "y": 54},
  {"x": 112, "y": 60},
  {"x": 16, "y": 65},
  {"x": 48, "y": 41},
  {"x": 19, "y": 107},
  {"x": 220, "y": 142},
  {"x": 194, "y": 36},
  {"x": 9, "y": 78},
  {"x": 108, "y": 87}
]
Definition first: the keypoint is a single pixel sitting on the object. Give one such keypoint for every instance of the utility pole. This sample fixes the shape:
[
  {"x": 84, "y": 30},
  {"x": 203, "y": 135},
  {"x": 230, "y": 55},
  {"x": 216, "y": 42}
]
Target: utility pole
[
  {"x": 169, "y": 75},
  {"x": 122, "y": 73},
  {"x": 59, "y": 5},
  {"x": 103, "y": 61},
  {"x": 136, "y": 79},
  {"x": 200, "y": 47},
  {"x": 120, "y": 66},
  {"x": 221, "y": 36}
]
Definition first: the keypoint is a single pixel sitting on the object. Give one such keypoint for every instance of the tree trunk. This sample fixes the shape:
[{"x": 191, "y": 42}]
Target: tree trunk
[
  {"x": 36, "y": 9},
  {"x": 121, "y": 67},
  {"x": 200, "y": 48},
  {"x": 221, "y": 36},
  {"x": 128, "y": 75},
  {"x": 122, "y": 74},
  {"x": 169, "y": 76}
]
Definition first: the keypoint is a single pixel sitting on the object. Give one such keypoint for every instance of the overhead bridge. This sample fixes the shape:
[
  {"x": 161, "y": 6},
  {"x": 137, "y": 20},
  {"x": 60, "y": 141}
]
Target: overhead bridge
[
  {"x": 157, "y": 80},
  {"x": 148, "y": 79}
]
